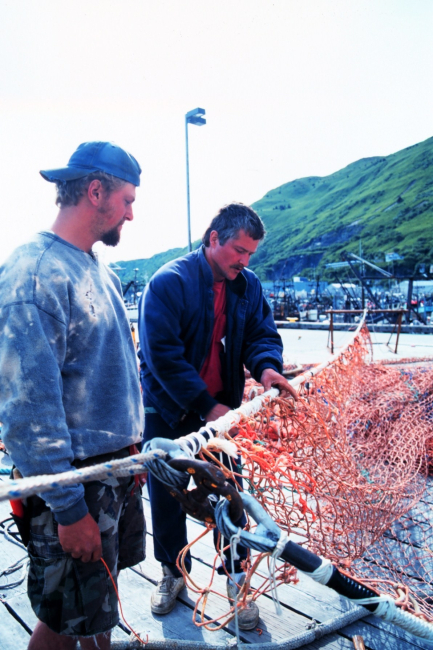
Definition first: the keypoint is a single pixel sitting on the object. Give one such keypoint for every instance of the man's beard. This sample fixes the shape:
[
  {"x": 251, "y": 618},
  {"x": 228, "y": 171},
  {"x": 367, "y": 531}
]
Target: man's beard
[{"x": 112, "y": 237}]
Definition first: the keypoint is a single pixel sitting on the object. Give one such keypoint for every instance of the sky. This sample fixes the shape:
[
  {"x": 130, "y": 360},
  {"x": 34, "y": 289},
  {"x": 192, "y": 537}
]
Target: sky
[{"x": 291, "y": 88}]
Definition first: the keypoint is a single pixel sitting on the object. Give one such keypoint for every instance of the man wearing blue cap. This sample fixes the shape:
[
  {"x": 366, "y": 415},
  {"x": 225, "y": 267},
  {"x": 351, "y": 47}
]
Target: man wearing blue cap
[{"x": 69, "y": 397}]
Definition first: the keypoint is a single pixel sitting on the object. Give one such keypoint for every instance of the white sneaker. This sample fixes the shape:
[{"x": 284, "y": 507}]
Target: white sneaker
[
  {"x": 163, "y": 598},
  {"x": 248, "y": 617}
]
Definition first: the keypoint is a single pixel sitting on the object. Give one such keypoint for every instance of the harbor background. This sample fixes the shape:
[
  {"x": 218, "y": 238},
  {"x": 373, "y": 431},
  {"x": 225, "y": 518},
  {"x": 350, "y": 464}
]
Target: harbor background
[{"x": 305, "y": 346}]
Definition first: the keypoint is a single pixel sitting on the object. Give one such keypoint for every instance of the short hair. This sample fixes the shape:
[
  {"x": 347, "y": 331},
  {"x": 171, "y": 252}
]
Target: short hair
[
  {"x": 231, "y": 219},
  {"x": 70, "y": 192}
]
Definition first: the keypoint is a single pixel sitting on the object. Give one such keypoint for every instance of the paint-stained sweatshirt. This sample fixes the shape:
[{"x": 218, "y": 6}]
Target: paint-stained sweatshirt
[{"x": 68, "y": 370}]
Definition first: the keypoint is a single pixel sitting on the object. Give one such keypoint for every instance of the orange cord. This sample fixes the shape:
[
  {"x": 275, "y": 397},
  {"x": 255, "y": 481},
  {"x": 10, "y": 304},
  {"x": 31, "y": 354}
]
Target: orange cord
[{"x": 120, "y": 607}]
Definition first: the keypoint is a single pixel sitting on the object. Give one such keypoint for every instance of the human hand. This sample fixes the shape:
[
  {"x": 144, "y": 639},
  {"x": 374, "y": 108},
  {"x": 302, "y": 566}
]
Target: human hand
[
  {"x": 82, "y": 539},
  {"x": 218, "y": 411},
  {"x": 272, "y": 379}
]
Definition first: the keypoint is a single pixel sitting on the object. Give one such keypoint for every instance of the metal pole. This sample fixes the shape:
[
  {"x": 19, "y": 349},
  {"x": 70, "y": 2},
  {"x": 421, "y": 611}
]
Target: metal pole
[
  {"x": 400, "y": 318},
  {"x": 331, "y": 331},
  {"x": 409, "y": 299},
  {"x": 187, "y": 186}
]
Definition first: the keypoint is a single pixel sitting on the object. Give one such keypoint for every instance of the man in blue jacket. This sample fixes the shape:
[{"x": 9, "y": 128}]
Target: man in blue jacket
[{"x": 202, "y": 317}]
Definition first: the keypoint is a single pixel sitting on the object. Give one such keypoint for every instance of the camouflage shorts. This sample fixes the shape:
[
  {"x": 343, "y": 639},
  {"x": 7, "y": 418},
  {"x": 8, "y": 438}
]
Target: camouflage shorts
[{"x": 76, "y": 598}]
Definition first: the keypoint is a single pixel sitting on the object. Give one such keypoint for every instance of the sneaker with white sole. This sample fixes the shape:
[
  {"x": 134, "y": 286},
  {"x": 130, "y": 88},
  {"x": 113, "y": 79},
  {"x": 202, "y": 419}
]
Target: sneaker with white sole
[
  {"x": 248, "y": 617},
  {"x": 163, "y": 598}
]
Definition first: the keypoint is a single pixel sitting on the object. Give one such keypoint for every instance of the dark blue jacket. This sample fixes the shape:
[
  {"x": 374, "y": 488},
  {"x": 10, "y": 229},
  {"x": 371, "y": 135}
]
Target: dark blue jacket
[{"x": 175, "y": 323}]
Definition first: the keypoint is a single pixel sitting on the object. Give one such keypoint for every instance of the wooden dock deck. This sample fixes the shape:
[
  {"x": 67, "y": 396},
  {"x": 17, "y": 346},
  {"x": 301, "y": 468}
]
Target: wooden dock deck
[{"x": 304, "y": 605}]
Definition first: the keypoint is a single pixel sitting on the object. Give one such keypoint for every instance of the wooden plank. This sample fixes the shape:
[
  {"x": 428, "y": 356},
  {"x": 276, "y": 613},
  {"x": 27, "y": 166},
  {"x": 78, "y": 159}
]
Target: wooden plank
[
  {"x": 117, "y": 634},
  {"x": 311, "y": 599},
  {"x": 300, "y": 603},
  {"x": 281, "y": 627},
  {"x": 320, "y": 603},
  {"x": 20, "y": 604},
  {"x": 418, "y": 534},
  {"x": 9, "y": 552},
  {"x": 321, "y": 594},
  {"x": 330, "y": 642},
  {"x": 375, "y": 571},
  {"x": 135, "y": 595},
  {"x": 427, "y": 496},
  {"x": 291, "y": 596},
  {"x": 405, "y": 558},
  {"x": 384, "y": 636},
  {"x": 13, "y": 636},
  {"x": 320, "y": 611}
]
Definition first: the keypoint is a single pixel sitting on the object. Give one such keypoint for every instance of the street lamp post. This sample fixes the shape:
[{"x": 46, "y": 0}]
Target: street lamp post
[{"x": 192, "y": 117}]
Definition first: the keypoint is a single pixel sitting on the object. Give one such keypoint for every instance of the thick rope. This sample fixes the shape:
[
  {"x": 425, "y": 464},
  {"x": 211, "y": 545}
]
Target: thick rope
[
  {"x": 143, "y": 462},
  {"x": 279, "y": 548},
  {"x": 312, "y": 633},
  {"x": 388, "y": 611},
  {"x": 323, "y": 573},
  {"x": 25, "y": 487}
]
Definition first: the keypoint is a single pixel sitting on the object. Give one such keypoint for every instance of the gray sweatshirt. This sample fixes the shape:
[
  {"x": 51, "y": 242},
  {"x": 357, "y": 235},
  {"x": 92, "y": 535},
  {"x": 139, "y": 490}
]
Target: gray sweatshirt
[{"x": 68, "y": 369}]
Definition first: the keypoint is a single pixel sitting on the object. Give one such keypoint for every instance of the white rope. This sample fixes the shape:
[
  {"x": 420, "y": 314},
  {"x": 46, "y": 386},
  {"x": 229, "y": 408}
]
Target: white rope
[
  {"x": 279, "y": 548},
  {"x": 225, "y": 446},
  {"x": 227, "y": 421},
  {"x": 388, "y": 611},
  {"x": 135, "y": 464},
  {"x": 25, "y": 487},
  {"x": 183, "y": 444},
  {"x": 234, "y": 541},
  {"x": 323, "y": 573}
]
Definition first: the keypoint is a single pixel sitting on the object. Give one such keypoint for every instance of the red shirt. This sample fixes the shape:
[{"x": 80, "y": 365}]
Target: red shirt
[{"x": 211, "y": 373}]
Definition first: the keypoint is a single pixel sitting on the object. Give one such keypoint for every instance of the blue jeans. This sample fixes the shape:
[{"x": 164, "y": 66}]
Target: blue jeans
[{"x": 168, "y": 518}]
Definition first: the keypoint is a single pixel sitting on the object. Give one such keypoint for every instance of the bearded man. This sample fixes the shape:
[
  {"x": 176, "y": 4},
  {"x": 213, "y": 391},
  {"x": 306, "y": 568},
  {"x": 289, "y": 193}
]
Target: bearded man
[{"x": 70, "y": 397}]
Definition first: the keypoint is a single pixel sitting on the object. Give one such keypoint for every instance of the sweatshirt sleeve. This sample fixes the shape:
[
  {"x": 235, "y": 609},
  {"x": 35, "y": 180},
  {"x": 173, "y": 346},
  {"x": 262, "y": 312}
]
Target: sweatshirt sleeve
[{"x": 35, "y": 431}]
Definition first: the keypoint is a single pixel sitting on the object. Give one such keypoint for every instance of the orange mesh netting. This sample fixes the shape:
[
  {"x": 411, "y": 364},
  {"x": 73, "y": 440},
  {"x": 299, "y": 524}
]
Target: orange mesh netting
[{"x": 344, "y": 472}]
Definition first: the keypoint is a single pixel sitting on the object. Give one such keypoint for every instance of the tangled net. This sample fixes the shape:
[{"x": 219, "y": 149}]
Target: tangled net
[{"x": 344, "y": 473}]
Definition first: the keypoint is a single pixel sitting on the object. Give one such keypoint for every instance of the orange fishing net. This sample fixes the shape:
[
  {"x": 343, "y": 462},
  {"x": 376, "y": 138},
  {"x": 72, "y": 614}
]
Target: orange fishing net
[{"x": 344, "y": 471}]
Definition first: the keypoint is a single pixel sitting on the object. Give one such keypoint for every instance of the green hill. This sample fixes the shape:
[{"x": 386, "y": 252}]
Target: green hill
[
  {"x": 146, "y": 267},
  {"x": 386, "y": 203}
]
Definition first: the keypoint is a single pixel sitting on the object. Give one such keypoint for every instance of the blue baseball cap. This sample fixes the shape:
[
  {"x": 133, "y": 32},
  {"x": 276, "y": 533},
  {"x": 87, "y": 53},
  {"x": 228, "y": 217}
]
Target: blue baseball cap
[{"x": 97, "y": 157}]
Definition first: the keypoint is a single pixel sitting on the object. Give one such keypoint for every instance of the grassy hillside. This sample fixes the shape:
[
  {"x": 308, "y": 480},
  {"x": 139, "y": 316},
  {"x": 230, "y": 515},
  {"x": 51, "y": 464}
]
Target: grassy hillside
[
  {"x": 146, "y": 267},
  {"x": 386, "y": 203},
  {"x": 383, "y": 202}
]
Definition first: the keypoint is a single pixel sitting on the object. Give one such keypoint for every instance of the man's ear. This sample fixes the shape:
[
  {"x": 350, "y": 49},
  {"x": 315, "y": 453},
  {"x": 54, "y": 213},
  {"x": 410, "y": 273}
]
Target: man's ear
[
  {"x": 213, "y": 238},
  {"x": 95, "y": 193}
]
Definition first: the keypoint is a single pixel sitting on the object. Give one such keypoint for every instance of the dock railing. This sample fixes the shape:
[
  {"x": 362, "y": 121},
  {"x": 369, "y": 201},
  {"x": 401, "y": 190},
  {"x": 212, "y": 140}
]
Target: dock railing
[{"x": 397, "y": 325}]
